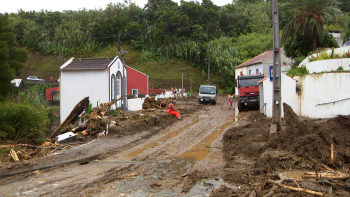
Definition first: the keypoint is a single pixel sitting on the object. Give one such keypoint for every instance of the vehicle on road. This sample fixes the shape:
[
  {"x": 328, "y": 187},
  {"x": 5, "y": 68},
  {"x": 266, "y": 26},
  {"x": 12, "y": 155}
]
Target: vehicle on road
[
  {"x": 207, "y": 94},
  {"x": 248, "y": 91},
  {"x": 34, "y": 78}
]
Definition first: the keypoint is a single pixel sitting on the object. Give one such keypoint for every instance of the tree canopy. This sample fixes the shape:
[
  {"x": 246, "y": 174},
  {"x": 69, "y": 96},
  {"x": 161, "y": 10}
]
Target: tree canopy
[
  {"x": 309, "y": 17},
  {"x": 188, "y": 31},
  {"x": 11, "y": 58}
]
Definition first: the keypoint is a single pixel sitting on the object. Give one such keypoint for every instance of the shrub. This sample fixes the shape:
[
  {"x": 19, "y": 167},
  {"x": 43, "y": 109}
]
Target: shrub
[
  {"x": 340, "y": 68},
  {"x": 297, "y": 61},
  {"x": 21, "y": 123},
  {"x": 297, "y": 71}
]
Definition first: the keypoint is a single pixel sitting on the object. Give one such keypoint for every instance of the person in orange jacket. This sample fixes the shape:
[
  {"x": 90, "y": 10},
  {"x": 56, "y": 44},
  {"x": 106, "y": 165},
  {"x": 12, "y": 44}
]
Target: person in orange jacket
[{"x": 172, "y": 110}]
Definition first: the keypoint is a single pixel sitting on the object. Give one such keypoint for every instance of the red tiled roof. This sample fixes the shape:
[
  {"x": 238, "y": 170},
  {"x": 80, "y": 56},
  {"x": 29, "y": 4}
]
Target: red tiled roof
[
  {"x": 88, "y": 64},
  {"x": 259, "y": 58}
]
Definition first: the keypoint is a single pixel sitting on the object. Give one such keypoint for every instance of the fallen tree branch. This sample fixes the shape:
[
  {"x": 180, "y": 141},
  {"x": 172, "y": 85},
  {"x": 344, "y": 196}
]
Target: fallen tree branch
[
  {"x": 77, "y": 110},
  {"x": 271, "y": 192},
  {"x": 297, "y": 189},
  {"x": 325, "y": 166},
  {"x": 334, "y": 176},
  {"x": 14, "y": 155}
]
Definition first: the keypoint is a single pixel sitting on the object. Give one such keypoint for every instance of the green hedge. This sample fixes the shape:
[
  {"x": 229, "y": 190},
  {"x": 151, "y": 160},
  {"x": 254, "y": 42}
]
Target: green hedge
[{"x": 21, "y": 123}]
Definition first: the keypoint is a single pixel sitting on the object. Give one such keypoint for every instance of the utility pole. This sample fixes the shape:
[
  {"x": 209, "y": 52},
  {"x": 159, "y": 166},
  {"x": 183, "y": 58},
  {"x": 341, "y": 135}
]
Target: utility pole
[
  {"x": 182, "y": 89},
  {"x": 123, "y": 80},
  {"x": 208, "y": 71},
  {"x": 191, "y": 82},
  {"x": 276, "y": 112}
]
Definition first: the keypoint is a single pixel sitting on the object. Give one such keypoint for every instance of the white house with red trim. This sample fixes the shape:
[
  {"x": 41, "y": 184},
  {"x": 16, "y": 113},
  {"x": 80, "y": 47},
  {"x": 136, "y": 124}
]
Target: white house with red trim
[{"x": 100, "y": 79}]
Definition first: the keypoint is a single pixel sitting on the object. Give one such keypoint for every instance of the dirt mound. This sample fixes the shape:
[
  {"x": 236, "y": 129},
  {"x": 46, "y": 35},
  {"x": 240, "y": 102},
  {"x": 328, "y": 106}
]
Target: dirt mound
[
  {"x": 304, "y": 144},
  {"x": 248, "y": 140},
  {"x": 309, "y": 139}
]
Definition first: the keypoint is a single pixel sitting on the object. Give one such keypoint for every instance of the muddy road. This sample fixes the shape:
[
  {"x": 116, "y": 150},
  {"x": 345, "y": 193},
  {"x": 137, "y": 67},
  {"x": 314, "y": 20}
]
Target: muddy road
[{"x": 157, "y": 161}]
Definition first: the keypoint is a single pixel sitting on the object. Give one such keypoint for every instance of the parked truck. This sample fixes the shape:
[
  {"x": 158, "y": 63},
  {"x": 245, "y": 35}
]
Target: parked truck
[
  {"x": 207, "y": 94},
  {"x": 248, "y": 91}
]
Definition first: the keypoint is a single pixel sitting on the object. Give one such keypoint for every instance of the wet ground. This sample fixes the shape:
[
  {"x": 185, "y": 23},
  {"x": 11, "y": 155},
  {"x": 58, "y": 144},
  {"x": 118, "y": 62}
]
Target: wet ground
[
  {"x": 161, "y": 164},
  {"x": 212, "y": 151}
]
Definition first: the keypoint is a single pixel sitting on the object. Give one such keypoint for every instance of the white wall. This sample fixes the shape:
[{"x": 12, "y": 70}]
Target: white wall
[
  {"x": 324, "y": 88},
  {"x": 114, "y": 68},
  {"x": 253, "y": 68},
  {"x": 76, "y": 85},
  {"x": 288, "y": 94},
  {"x": 327, "y": 65},
  {"x": 135, "y": 104},
  {"x": 237, "y": 72},
  {"x": 339, "y": 51}
]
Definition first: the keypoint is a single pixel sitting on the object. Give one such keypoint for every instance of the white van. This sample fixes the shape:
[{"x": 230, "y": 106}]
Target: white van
[{"x": 207, "y": 94}]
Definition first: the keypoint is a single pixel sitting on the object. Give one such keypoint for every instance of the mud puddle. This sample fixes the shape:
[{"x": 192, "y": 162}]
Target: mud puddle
[
  {"x": 201, "y": 150},
  {"x": 166, "y": 136}
]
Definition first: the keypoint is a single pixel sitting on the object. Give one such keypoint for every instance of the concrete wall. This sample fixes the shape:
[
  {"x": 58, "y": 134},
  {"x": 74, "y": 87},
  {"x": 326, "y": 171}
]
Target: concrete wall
[
  {"x": 76, "y": 85},
  {"x": 288, "y": 94},
  {"x": 327, "y": 65},
  {"x": 322, "y": 88},
  {"x": 339, "y": 51}
]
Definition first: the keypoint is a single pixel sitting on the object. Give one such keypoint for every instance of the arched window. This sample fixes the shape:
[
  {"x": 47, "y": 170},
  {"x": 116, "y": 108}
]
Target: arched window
[
  {"x": 113, "y": 82},
  {"x": 119, "y": 85}
]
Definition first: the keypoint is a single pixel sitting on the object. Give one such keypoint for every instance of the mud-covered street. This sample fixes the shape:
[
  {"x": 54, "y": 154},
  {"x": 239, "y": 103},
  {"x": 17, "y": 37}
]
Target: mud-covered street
[
  {"x": 151, "y": 161},
  {"x": 212, "y": 151}
]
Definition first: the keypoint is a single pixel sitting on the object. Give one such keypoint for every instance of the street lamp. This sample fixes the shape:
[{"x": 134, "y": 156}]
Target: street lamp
[
  {"x": 124, "y": 81},
  {"x": 182, "y": 90},
  {"x": 191, "y": 82}
]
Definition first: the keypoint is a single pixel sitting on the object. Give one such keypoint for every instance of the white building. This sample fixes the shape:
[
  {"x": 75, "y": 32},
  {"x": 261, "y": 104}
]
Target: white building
[
  {"x": 260, "y": 65},
  {"x": 288, "y": 94},
  {"x": 95, "y": 78}
]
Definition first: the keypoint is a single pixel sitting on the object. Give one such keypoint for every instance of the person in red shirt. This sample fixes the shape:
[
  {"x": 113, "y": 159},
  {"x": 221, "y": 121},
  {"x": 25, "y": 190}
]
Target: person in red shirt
[
  {"x": 51, "y": 78},
  {"x": 172, "y": 110}
]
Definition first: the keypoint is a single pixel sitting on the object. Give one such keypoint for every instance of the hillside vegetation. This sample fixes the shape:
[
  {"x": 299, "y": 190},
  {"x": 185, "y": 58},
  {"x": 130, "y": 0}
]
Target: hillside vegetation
[
  {"x": 162, "y": 73},
  {"x": 164, "y": 36}
]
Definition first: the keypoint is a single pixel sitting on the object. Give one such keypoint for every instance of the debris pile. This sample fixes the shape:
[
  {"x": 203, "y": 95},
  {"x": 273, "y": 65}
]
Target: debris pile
[
  {"x": 318, "y": 150},
  {"x": 151, "y": 103}
]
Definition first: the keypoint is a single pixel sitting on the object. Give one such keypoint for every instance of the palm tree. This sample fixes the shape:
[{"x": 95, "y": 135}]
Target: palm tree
[{"x": 309, "y": 16}]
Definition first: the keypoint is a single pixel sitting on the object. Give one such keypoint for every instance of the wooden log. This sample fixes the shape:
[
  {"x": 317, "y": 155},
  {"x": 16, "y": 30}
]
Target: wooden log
[
  {"x": 272, "y": 191},
  {"x": 14, "y": 155},
  {"x": 297, "y": 189},
  {"x": 332, "y": 148},
  {"x": 334, "y": 176},
  {"x": 77, "y": 110},
  {"x": 326, "y": 167}
]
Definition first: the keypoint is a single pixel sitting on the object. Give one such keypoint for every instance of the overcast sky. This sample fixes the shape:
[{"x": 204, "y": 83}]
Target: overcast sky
[{"x": 12, "y": 6}]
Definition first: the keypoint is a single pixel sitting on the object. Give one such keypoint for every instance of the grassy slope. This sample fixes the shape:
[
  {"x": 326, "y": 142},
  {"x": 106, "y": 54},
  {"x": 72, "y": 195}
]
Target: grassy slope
[{"x": 162, "y": 74}]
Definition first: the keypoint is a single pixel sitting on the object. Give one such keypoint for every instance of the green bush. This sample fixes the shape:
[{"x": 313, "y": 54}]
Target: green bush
[
  {"x": 21, "y": 123},
  {"x": 296, "y": 71}
]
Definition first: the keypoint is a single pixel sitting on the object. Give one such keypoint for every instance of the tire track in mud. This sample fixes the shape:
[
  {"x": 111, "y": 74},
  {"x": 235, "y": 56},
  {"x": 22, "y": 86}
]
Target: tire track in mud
[{"x": 157, "y": 161}]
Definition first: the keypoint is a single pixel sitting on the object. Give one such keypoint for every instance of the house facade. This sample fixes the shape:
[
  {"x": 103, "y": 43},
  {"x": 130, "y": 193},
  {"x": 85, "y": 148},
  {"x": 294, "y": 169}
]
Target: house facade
[
  {"x": 100, "y": 79},
  {"x": 260, "y": 65},
  {"x": 136, "y": 82}
]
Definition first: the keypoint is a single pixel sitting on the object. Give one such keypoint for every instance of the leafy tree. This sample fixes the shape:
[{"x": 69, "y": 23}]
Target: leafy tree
[
  {"x": 303, "y": 46},
  {"x": 11, "y": 58},
  {"x": 309, "y": 18},
  {"x": 253, "y": 44}
]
